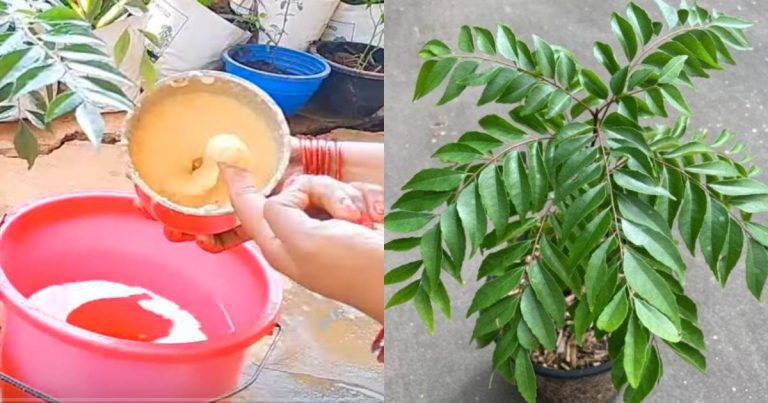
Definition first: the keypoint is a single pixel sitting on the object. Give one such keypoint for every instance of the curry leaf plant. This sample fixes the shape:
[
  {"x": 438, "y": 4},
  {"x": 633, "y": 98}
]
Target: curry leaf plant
[
  {"x": 52, "y": 64},
  {"x": 576, "y": 194}
]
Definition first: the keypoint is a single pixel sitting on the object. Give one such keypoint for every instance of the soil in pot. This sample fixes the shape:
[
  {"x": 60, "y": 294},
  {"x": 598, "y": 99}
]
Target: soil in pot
[
  {"x": 265, "y": 66},
  {"x": 572, "y": 373},
  {"x": 354, "y": 59}
]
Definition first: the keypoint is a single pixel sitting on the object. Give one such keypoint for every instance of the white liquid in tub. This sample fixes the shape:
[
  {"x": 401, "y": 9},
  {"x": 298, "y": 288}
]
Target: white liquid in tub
[{"x": 120, "y": 311}]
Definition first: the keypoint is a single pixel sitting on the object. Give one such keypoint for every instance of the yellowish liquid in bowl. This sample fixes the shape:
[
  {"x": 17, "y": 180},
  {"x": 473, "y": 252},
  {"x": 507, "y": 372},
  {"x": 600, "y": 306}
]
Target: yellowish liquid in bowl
[{"x": 170, "y": 133}]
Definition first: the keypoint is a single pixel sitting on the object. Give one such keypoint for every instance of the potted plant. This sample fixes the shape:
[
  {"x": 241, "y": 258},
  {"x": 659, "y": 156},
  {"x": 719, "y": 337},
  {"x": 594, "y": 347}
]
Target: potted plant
[
  {"x": 355, "y": 88},
  {"x": 289, "y": 76},
  {"x": 45, "y": 49},
  {"x": 583, "y": 280}
]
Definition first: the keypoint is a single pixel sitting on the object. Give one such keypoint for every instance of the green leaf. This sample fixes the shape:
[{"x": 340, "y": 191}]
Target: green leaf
[
  {"x": 636, "y": 349},
  {"x": 581, "y": 208},
  {"x": 38, "y": 77},
  {"x": 90, "y": 120},
  {"x": 435, "y": 180},
  {"x": 751, "y": 204},
  {"x": 650, "y": 285},
  {"x": 758, "y": 232},
  {"x": 599, "y": 281},
  {"x": 686, "y": 149},
  {"x": 593, "y": 84},
  {"x": 537, "y": 319},
  {"x": 432, "y": 73},
  {"x": 506, "y": 43},
  {"x": 739, "y": 187},
  {"x": 441, "y": 299},
  {"x": 713, "y": 233},
  {"x": 455, "y": 85},
  {"x": 625, "y": 35},
  {"x": 495, "y": 317},
  {"x": 491, "y": 188},
  {"x": 757, "y": 268},
  {"x": 556, "y": 261},
  {"x": 548, "y": 292},
  {"x": 525, "y": 377},
  {"x": 559, "y": 102},
  {"x": 60, "y": 14},
  {"x": 669, "y": 13},
  {"x": 83, "y": 52},
  {"x": 517, "y": 89},
  {"x": 651, "y": 375},
  {"x": 591, "y": 235},
  {"x": 472, "y": 215},
  {"x": 690, "y": 354},
  {"x": 731, "y": 22},
  {"x": 731, "y": 252},
  {"x": 121, "y": 47},
  {"x": 619, "y": 81},
  {"x": 484, "y": 41},
  {"x": 432, "y": 254},
  {"x": 604, "y": 54},
  {"x": 466, "y": 42},
  {"x": 525, "y": 337},
  {"x": 64, "y": 103},
  {"x": 424, "y": 308},
  {"x": 496, "y": 263},
  {"x": 453, "y": 233},
  {"x": 480, "y": 141},
  {"x": 658, "y": 245},
  {"x": 641, "y": 77},
  {"x": 406, "y": 221},
  {"x": 638, "y": 182},
  {"x": 641, "y": 22},
  {"x": 581, "y": 322},
  {"x": 693, "y": 336},
  {"x": 497, "y": 85},
  {"x": 25, "y": 144},
  {"x": 419, "y": 200},
  {"x": 404, "y": 295},
  {"x": 692, "y": 212},
  {"x": 673, "y": 96},
  {"x": 494, "y": 290},
  {"x": 500, "y": 128},
  {"x": 537, "y": 178},
  {"x": 614, "y": 313},
  {"x": 517, "y": 184},
  {"x": 433, "y": 48},
  {"x": 672, "y": 69},
  {"x": 514, "y": 230},
  {"x": 656, "y": 322},
  {"x": 565, "y": 70},
  {"x": 98, "y": 91},
  {"x": 545, "y": 57},
  {"x": 505, "y": 347},
  {"x": 714, "y": 168},
  {"x": 537, "y": 99},
  {"x": 457, "y": 152},
  {"x": 402, "y": 272}
]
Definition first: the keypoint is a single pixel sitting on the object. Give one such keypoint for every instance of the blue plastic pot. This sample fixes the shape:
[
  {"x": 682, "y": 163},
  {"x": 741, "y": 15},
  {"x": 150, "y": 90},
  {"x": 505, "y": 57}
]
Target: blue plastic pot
[{"x": 290, "y": 91}]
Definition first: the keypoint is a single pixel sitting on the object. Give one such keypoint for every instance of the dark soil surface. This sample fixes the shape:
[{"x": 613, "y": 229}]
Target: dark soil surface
[
  {"x": 266, "y": 66},
  {"x": 349, "y": 58}
]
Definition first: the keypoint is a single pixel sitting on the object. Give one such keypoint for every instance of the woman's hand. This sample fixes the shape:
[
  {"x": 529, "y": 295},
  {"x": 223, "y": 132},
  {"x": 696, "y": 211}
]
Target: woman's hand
[{"x": 341, "y": 258}]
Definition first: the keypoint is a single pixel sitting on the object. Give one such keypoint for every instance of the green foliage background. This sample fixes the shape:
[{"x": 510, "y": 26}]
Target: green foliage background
[{"x": 577, "y": 190}]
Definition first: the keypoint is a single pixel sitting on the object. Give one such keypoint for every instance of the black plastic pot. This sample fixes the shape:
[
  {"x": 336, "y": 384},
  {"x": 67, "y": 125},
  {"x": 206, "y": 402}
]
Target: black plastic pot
[
  {"x": 347, "y": 94},
  {"x": 591, "y": 385}
]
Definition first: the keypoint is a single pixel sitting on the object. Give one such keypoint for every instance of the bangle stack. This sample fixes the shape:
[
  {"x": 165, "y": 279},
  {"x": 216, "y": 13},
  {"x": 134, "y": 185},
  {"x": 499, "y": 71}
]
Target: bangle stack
[{"x": 321, "y": 157}]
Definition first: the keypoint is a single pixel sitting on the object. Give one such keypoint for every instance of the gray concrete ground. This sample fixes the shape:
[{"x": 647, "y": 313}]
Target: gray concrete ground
[{"x": 445, "y": 368}]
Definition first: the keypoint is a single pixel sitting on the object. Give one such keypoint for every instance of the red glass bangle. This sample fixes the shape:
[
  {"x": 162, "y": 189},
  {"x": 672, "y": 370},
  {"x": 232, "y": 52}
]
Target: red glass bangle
[
  {"x": 377, "y": 347},
  {"x": 321, "y": 157}
]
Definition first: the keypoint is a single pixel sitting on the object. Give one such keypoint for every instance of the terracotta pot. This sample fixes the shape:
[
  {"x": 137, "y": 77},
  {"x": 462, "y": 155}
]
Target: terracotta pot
[{"x": 587, "y": 385}]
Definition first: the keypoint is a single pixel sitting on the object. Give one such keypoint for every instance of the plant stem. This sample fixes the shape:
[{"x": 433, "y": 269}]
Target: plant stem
[{"x": 612, "y": 199}]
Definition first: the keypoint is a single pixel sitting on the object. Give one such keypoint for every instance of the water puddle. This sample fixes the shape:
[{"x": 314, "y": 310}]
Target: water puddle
[{"x": 323, "y": 355}]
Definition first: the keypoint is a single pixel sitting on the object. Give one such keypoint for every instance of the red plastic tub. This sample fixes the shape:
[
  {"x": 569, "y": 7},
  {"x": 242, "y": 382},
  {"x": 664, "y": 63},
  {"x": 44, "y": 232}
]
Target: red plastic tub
[{"x": 101, "y": 236}]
